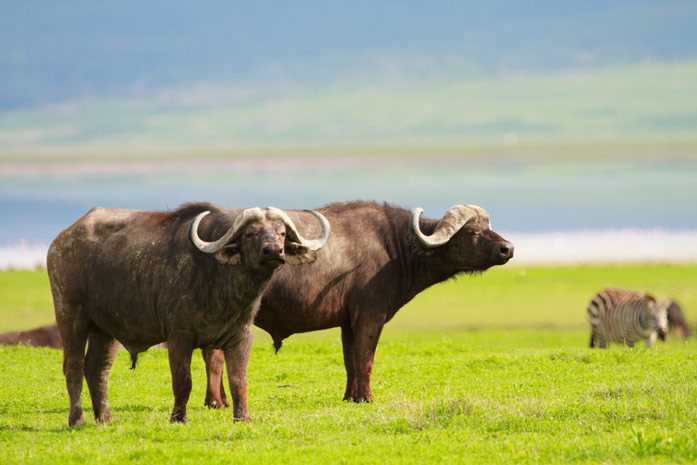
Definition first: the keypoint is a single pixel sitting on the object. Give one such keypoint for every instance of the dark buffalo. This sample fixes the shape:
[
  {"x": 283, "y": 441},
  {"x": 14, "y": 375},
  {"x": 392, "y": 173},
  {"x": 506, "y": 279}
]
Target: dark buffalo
[
  {"x": 43, "y": 336},
  {"x": 378, "y": 259},
  {"x": 143, "y": 278}
]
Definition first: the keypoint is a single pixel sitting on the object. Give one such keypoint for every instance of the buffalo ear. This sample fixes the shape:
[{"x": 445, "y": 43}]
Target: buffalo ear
[
  {"x": 297, "y": 254},
  {"x": 229, "y": 255}
]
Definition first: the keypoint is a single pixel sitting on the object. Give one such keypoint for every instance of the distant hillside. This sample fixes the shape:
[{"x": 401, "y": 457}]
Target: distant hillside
[
  {"x": 642, "y": 102},
  {"x": 333, "y": 74}
]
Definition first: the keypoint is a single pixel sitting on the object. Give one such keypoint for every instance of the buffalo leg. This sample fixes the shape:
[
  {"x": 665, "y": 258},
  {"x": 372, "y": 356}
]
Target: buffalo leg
[
  {"x": 180, "y": 366},
  {"x": 236, "y": 359},
  {"x": 73, "y": 330},
  {"x": 101, "y": 349},
  {"x": 365, "y": 341},
  {"x": 347, "y": 345},
  {"x": 223, "y": 396},
  {"x": 215, "y": 388}
]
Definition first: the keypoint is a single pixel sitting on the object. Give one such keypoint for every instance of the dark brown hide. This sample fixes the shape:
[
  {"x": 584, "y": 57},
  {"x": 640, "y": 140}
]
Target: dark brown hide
[
  {"x": 136, "y": 278},
  {"x": 43, "y": 336},
  {"x": 371, "y": 267}
]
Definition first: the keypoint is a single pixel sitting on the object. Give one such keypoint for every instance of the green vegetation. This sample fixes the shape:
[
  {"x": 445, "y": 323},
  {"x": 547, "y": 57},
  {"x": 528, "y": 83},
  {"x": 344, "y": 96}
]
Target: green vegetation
[
  {"x": 622, "y": 149},
  {"x": 504, "y": 298},
  {"x": 25, "y": 300},
  {"x": 632, "y": 102},
  {"x": 484, "y": 369}
]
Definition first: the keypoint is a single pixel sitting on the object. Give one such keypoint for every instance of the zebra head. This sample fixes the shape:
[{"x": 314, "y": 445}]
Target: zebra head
[{"x": 659, "y": 315}]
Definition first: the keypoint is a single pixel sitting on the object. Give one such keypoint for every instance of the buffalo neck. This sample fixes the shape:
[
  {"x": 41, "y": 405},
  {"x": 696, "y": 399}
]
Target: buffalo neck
[
  {"x": 420, "y": 268},
  {"x": 243, "y": 281},
  {"x": 235, "y": 285}
]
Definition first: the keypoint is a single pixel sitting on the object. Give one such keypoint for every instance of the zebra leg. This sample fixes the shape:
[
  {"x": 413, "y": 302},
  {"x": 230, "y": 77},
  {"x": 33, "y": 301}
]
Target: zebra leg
[
  {"x": 592, "y": 342},
  {"x": 651, "y": 340}
]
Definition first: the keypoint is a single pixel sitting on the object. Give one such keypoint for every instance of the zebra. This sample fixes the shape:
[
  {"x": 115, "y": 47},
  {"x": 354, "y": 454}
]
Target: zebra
[{"x": 626, "y": 317}]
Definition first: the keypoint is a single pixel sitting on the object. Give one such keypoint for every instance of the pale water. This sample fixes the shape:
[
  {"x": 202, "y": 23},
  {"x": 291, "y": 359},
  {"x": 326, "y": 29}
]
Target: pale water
[{"x": 555, "y": 211}]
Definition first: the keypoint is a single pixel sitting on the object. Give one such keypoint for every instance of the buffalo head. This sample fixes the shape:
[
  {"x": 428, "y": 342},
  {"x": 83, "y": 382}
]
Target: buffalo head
[
  {"x": 465, "y": 235},
  {"x": 262, "y": 238}
]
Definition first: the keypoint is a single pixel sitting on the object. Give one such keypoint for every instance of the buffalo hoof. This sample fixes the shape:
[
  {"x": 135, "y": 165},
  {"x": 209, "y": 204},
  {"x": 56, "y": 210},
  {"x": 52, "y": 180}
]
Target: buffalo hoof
[
  {"x": 215, "y": 404},
  {"x": 359, "y": 398},
  {"x": 76, "y": 418},
  {"x": 178, "y": 417},
  {"x": 103, "y": 417},
  {"x": 244, "y": 419}
]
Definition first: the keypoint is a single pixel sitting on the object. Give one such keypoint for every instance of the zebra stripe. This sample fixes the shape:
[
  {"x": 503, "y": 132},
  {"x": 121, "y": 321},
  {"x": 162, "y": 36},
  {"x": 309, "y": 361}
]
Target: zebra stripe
[{"x": 625, "y": 317}]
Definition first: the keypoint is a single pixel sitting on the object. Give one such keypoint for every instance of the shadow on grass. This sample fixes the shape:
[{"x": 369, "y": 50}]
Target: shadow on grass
[
  {"x": 136, "y": 408},
  {"x": 33, "y": 429},
  {"x": 133, "y": 408}
]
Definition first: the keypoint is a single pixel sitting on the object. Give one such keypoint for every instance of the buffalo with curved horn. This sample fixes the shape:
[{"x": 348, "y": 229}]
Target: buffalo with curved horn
[
  {"x": 379, "y": 258},
  {"x": 191, "y": 278}
]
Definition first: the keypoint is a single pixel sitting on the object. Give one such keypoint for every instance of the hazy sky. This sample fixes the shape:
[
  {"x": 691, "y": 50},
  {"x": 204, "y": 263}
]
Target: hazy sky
[{"x": 54, "y": 51}]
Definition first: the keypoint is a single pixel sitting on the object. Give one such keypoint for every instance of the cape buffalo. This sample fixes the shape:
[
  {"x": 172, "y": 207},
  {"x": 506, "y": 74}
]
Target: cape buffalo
[
  {"x": 379, "y": 258},
  {"x": 43, "y": 336},
  {"x": 142, "y": 278}
]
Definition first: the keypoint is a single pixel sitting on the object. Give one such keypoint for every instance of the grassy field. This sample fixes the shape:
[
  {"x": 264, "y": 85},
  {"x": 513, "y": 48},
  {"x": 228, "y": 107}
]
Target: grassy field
[{"x": 486, "y": 369}]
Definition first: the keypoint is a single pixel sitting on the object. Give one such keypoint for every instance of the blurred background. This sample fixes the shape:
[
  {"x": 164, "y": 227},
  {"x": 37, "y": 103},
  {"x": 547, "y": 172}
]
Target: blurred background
[{"x": 575, "y": 125}]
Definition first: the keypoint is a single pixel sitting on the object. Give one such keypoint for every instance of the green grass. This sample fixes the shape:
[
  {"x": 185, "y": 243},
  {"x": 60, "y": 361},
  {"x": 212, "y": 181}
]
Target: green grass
[
  {"x": 490, "y": 369},
  {"x": 506, "y": 297},
  {"x": 25, "y": 300}
]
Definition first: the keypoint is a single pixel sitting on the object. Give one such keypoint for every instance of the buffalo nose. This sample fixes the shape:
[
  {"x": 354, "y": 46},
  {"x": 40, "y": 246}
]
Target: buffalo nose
[
  {"x": 506, "y": 251},
  {"x": 271, "y": 251}
]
